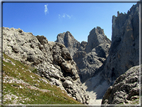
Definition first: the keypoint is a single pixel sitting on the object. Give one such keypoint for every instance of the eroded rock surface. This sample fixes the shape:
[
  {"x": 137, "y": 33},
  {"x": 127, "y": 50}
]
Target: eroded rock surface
[
  {"x": 52, "y": 60},
  {"x": 95, "y": 38},
  {"x": 124, "y": 50},
  {"x": 89, "y": 56},
  {"x": 69, "y": 41},
  {"x": 123, "y": 53},
  {"x": 125, "y": 89}
]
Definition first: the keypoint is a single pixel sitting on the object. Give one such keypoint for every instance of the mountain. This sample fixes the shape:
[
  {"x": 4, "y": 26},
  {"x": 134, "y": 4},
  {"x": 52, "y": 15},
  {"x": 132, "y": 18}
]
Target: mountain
[
  {"x": 98, "y": 68},
  {"x": 122, "y": 64},
  {"x": 123, "y": 53},
  {"x": 51, "y": 59},
  {"x": 69, "y": 41},
  {"x": 89, "y": 56},
  {"x": 94, "y": 56},
  {"x": 95, "y": 38},
  {"x": 102, "y": 61}
]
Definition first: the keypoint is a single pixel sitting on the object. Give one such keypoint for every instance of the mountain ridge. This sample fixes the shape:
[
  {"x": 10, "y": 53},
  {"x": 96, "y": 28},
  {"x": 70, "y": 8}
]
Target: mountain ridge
[
  {"x": 89, "y": 56},
  {"x": 72, "y": 65},
  {"x": 122, "y": 52}
]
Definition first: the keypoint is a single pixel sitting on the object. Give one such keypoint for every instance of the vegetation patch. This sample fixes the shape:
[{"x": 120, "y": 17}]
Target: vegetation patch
[{"x": 22, "y": 86}]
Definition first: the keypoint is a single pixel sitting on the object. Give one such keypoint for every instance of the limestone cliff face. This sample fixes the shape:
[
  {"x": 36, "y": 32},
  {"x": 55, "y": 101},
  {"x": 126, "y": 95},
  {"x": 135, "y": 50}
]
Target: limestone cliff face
[
  {"x": 52, "y": 60},
  {"x": 89, "y": 56},
  {"x": 124, "y": 50},
  {"x": 123, "y": 53},
  {"x": 94, "y": 56},
  {"x": 95, "y": 38},
  {"x": 69, "y": 41}
]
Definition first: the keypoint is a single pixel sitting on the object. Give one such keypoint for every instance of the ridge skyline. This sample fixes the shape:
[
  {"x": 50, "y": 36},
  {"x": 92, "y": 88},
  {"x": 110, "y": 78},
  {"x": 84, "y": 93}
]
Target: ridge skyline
[{"x": 50, "y": 19}]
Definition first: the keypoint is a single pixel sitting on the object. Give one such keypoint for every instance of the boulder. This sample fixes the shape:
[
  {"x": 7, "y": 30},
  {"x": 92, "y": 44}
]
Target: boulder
[
  {"x": 42, "y": 39},
  {"x": 67, "y": 83}
]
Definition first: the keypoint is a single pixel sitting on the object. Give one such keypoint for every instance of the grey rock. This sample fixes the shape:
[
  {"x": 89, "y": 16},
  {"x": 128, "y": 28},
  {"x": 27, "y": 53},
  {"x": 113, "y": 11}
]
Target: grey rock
[
  {"x": 69, "y": 41},
  {"x": 56, "y": 82},
  {"x": 124, "y": 50},
  {"x": 89, "y": 63},
  {"x": 65, "y": 54},
  {"x": 15, "y": 48},
  {"x": 78, "y": 97},
  {"x": 125, "y": 88},
  {"x": 97, "y": 49},
  {"x": 42, "y": 39},
  {"x": 51, "y": 59},
  {"x": 54, "y": 74},
  {"x": 67, "y": 83},
  {"x": 82, "y": 46},
  {"x": 95, "y": 38},
  {"x": 102, "y": 50},
  {"x": 89, "y": 66}
]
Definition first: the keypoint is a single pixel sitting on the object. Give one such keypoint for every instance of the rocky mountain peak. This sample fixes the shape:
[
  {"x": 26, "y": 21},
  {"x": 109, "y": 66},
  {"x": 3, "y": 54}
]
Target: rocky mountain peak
[
  {"x": 95, "y": 38},
  {"x": 68, "y": 34},
  {"x": 65, "y": 35},
  {"x": 122, "y": 20},
  {"x": 89, "y": 56},
  {"x": 125, "y": 40},
  {"x": 69, "y": 41},
  {"x": 123, "y": 53},
  {"x": 97, "y": 31}
]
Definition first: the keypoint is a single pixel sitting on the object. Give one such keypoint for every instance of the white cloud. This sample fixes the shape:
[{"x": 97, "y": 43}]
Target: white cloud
[
  {"x": 46, "y": 9},
  {"x": 68, "y": 16},
  {"x": 65, "y": 16}
]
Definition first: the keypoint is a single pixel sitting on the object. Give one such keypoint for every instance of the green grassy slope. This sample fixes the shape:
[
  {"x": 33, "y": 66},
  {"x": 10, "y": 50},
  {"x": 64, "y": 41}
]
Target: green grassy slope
[{"x": 22, "y": 86}]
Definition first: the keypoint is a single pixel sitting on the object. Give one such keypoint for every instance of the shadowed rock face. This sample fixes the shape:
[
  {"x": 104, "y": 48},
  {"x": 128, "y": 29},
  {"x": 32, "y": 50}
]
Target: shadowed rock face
[
  {"x": 125, "y": 89},
  {"x": 95, "y": 38},
  {"x": 69, "y": 41},
  {"x": 52, "y": 60},
  {"x": 95, "y": 54},
  {"x": 123, "y": 53},
  {"x": 89, "y": 56},
  {"x": 124, "y": 50}
]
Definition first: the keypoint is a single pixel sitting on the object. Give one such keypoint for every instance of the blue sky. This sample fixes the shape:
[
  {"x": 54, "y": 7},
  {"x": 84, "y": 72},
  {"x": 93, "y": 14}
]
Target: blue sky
[{"x": 50, "y": 19}]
